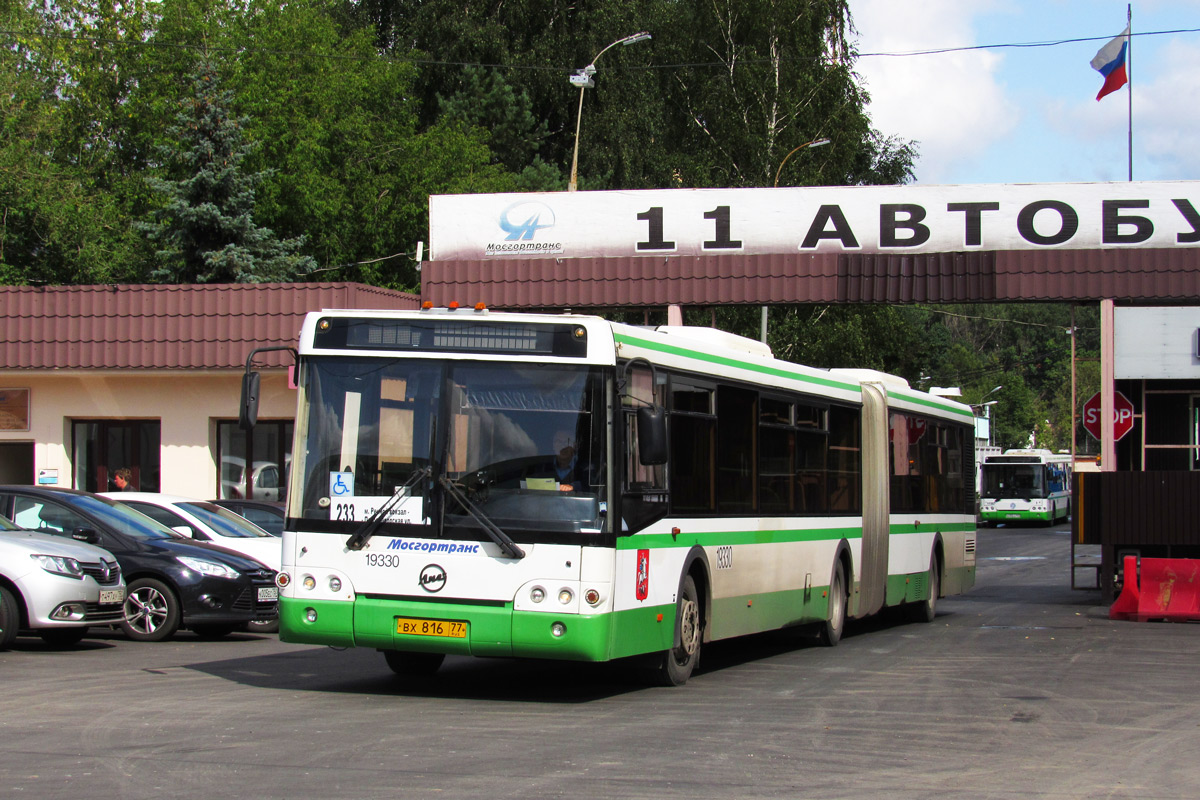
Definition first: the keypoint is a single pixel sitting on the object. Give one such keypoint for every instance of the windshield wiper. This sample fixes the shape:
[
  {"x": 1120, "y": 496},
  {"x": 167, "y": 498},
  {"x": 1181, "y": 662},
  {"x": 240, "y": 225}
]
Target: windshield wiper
[
  {"x": 360, "y": 537},
  {"x": 498, "y": 536}
]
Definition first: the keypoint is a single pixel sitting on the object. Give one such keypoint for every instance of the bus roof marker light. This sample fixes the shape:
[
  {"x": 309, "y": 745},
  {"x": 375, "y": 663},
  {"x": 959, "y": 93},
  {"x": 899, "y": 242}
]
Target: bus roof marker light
[
  {"x": 452, "y": 305},
  {"x": 481, "y": 306},
  {"x": 324, "y": 324}
]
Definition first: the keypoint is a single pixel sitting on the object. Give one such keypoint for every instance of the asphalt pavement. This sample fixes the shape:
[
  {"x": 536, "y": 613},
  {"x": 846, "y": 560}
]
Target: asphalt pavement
[{"x": 1022, "y": 688}]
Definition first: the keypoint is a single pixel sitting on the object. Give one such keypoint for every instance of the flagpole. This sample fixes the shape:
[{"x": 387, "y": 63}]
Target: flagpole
[{"x": 1129, "y": 77}]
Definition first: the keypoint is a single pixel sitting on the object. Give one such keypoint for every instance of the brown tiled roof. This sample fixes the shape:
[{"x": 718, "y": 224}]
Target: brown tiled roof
[
  {"x": 138, "y": 327},
  {"x": 1129, "y": 274}
]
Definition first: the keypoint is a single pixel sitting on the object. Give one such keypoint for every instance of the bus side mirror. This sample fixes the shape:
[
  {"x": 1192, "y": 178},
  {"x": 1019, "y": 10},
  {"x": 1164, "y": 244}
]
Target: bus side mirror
[
  {"x": 248, "y": 414},
  {"x": 652, "y": 435}
]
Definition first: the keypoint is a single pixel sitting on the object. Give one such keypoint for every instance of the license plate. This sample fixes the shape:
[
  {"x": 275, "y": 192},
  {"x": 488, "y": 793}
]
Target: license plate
[
  {"x": 268, "y": 593},
  {"x": 431, "y": 627},
  {"x": 110, "y": 596},
  {"x": 1012, "y": 516}
]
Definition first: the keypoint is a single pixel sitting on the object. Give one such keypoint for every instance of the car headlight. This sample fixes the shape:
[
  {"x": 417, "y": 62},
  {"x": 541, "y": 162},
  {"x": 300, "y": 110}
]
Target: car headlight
[
  {"x": 59, "y": 565},
  {"x": 210, "y": 568}
]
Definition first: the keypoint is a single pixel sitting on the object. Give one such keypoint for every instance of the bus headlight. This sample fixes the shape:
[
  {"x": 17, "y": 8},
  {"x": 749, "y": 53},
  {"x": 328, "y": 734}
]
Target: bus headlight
[
  {"x": 309, "y": 582},
  {"x": 310, "y": 615},
  {"x": 558, "y": 630},
  {"x": 537, "y": 594},
  {"x": 565, "y": 596},
  {"x": 335, "y": 583}
]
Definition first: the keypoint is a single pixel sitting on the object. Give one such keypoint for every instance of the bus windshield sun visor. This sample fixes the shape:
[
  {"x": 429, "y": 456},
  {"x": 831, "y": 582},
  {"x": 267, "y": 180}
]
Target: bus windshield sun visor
[
  {"x": 358, "y": 540},
  {"x": 498, "y": 536}
]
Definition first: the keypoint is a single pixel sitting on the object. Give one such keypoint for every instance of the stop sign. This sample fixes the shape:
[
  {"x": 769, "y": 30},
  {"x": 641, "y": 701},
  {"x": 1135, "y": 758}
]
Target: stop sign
[{"x": 1122, "y": 416}]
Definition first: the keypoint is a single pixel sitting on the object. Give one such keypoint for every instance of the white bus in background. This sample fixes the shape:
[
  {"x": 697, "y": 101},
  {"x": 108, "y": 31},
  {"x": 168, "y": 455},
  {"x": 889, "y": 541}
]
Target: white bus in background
[
  {"x": 1025, "y": 486},
  {"x": 561, "y": 486}
]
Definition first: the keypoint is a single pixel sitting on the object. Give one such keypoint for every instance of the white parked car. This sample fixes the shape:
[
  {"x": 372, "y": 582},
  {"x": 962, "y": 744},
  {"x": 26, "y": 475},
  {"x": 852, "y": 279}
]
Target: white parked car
[
  {"x": 55, "y": 586},
  {"x": 206, "y": 522},
  {"x": 267, "y": 481}
]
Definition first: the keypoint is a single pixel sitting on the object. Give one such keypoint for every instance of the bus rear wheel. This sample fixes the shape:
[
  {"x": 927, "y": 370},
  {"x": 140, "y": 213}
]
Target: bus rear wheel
[
  {"x": 830, "y": 632},
  {"x": 676, "y": 665},
  {"x": 926, "y": 610},
  {"x": 413, "y": 665}
]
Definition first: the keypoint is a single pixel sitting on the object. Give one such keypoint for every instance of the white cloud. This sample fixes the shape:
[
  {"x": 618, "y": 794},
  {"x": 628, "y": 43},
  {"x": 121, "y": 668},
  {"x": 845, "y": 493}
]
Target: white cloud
[{"x": 954, "y": 104}]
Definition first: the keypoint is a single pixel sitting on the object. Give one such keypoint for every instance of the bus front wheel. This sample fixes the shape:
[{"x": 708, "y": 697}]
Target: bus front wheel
[
  {"x": 676, "y": 664},
  {"x": 413, "y": 665}
]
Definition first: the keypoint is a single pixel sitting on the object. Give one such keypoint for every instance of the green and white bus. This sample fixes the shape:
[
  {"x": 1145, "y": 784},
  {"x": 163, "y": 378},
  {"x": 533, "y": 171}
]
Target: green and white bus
[
  {"x": 560, "y": 486},
  {"x": 1025, "y": 486}
]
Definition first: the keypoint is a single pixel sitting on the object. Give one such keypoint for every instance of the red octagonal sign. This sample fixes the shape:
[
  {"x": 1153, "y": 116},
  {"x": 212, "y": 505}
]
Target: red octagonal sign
[{"x": 1122, "y": 416}]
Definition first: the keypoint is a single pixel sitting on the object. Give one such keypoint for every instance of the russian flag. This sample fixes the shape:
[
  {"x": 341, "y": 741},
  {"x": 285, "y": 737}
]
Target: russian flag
[{"x": 1110, "y": 62}]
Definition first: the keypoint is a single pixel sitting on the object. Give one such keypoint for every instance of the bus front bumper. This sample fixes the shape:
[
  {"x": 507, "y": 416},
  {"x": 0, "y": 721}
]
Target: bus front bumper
[{"x": 490, "y": 630}]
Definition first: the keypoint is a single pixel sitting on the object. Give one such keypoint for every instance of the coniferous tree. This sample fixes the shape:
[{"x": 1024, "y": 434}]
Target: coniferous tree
[{"x": 205, "y": 232}]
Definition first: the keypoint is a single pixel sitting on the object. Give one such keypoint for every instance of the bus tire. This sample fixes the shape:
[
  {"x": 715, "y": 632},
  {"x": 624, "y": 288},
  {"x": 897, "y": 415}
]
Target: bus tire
[
  {"x": 830, "y": 632},
  {"x": 926, "y": 610},
  {"x": 10, "y": 618},
  {"x": 413, "y": 665},
  {"x": 676, "y": 664}
]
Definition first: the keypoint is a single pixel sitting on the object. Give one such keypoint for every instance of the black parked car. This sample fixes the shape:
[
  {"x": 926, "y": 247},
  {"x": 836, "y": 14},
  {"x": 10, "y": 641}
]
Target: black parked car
[
  {"x": 171, "y": 580},
  {"x": 266, "y": 514}
]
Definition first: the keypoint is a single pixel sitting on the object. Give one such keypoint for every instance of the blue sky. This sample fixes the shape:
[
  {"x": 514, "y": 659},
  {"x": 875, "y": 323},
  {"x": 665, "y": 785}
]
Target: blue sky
[{"x": 1029, "y": 115}]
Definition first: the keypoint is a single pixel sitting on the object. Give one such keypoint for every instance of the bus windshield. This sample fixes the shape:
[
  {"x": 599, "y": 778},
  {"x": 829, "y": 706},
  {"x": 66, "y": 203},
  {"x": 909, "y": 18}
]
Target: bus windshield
[
  {"x": 1013, "y": 481},
  {"x": 523, "y": 444}
]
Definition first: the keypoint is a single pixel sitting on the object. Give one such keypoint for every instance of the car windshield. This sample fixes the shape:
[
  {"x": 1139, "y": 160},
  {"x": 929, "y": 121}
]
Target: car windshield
[
  {"x": 525, "y": 443},
  {"x": 121, "y": 517},
  {"x": 224, "y": 521}
]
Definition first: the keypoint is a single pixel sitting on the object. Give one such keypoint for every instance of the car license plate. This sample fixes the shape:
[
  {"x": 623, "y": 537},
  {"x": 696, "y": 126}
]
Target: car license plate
[
  {"x": 431, "y": 627},
  {"x": 110, "y": 596},
  {"x": 268, "y": 593}
]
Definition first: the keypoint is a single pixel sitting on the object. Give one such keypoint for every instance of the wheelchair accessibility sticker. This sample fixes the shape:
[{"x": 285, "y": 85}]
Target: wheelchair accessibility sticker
[{"x": 341, "y": 484}]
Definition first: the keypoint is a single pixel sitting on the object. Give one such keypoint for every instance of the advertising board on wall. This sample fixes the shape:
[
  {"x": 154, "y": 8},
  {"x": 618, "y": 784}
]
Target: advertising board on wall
[{"x": 857, "y": 219}]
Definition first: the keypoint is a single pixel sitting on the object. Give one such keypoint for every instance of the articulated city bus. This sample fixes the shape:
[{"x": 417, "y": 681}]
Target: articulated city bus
[
  {"x": 561, "y": 486},
  {"x": 1023, "y": 486}
]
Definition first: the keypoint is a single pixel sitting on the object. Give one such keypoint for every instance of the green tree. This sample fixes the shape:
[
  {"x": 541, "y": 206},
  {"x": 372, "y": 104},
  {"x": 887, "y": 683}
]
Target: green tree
[
  {"x": 206, "y": 231},
  {"x": 737, "y": 84},
  {"x": 60, "y": 220}
]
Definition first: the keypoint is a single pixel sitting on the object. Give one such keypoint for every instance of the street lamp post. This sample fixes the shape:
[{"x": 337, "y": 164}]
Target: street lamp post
[
  {"x": 583, "y": 79},
  {"x": 778, "y": 172},
  {"x": 813, "y": 143},
  {"x": 987, "y": 408}
]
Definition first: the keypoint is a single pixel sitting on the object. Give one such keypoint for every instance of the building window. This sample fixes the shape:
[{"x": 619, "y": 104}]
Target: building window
[
  {"x": 102, "y": 447},
  {"x": 254, "y": 465}
]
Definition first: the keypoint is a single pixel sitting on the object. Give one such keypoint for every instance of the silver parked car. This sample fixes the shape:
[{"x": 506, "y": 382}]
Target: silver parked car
[{"x": 55, "y": 586}]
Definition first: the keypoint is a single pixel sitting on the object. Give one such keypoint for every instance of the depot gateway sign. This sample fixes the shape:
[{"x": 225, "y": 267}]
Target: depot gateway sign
[{"x": 859, "y": 219}]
